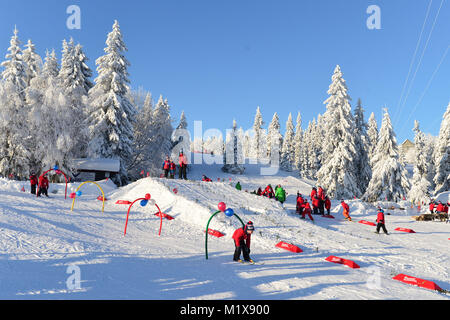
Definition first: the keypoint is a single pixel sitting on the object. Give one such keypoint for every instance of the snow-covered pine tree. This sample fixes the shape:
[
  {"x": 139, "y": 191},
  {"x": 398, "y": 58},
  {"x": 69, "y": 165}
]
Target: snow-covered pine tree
[
  {"x": 49, "y": 120},
  {"x": 274, "y": 141},
  {"x": 337, "y": 173},
  {"x": 389, "y": 178},
  {"x": 143, "y": 141},
  {"x": 74, "y": 78},
  {"x": 442, "y": 155},
  {"x": 372, "y": 135},
  {"x": 298, "y": 156},
  {"x": 14, "y": 131},
  {"x": 183, "y": 122},
  {"x": 233, "y": 153},
  {"x": 420, "y": 186},
  {"x": 364, "y": 171},
  {"x": 111, "y": 115},
  {"x": 288, "y": 148},
  {"x": 161, "y": 126},
  {"x": 32, "y": 61},
  {"x": 258, "y": 151}
]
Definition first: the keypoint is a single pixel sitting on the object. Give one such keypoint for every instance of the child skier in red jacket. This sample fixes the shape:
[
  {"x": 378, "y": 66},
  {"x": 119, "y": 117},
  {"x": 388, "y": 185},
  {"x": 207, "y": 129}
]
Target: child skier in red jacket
[
  {"x": 381, "y": 222},
  {"x": 241, "y": 239}
]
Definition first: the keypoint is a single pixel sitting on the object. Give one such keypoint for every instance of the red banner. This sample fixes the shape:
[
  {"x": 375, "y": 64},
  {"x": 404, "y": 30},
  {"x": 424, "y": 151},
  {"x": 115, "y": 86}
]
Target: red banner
[
  {"x": 289, "y": 247},
  {"x": 417, "y": 282}
]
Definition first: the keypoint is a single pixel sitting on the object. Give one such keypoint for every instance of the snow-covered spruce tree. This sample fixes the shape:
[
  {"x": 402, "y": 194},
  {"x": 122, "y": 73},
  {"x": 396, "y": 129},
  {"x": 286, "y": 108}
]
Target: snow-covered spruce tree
[
  {"x": 298, "y": 156},
  {"x": 74, "y": 78},
  {"x": 420, "y": 186},
  {"x": 364, "y": 171},
  {"x": 337, "y": 173},
  {"x": 32, "y": 61},
  {"x": 232, "y": 156},
  {"x": 14, "y": 131},
  {"x": 372, "y": 135},
  {"x": 183, "y": 122},
  {"x": 389, "y": 178},
  {"x": 258, "y": 145},
  {"x": 111, "y": 115},
  {"x": 442, "y": 155},
  {"x": 161, "y": 137},
  {"x": 51, "y": 124},
  {"x": 288, "y": 148},
  {"x": 274, "y": 141},
  {"x": 143, "y": 141}
]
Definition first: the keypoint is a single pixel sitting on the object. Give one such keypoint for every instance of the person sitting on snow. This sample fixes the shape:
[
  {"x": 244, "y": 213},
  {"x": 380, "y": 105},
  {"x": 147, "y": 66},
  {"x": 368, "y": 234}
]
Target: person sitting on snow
[
  {"x": 43, "y": 186},
  {"x": 280, "y": 194},
  {"x": 259, "y": 192},
  {"x": 241, "y": 239},
  {"x": 238, "y": 186},
  {"x": 268, "y": 192},
  {"x": 205, "y": 178}
]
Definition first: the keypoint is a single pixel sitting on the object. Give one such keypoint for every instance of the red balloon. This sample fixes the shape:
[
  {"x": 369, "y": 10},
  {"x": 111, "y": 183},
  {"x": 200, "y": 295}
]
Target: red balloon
[
  {"x": 72, "y": 195},
  {"x": 175, "y": 190},
  {"x": 222, "y": 206},
  {"x": 147, "y": 196}
]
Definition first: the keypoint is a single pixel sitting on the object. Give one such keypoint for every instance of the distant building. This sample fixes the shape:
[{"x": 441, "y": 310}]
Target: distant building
[
  {"x": 407, "y": 151},
  {"x": 87, "y": 169}
]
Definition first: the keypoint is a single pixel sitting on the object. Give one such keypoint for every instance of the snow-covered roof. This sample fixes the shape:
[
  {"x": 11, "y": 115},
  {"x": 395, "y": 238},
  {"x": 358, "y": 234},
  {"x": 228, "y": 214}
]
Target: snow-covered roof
[{"x": 107, "y": 165}]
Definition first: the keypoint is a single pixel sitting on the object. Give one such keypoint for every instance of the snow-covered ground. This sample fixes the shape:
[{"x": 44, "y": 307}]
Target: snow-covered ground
[{"x": 44, "y": 245}]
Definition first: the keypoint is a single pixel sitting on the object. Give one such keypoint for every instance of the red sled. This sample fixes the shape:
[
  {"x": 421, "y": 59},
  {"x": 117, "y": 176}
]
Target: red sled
[
  {"x": 123, "y": 202},
  {"x": 367, "y": 223},
  {"x": 405, "y": 230},
  {"x": 289, "y": 247},
  {"x": 348, "y": 263},
  {"x": 417, "y": 282},
  {"x": 164, "y": 216},
  {"x": 100, "y": 198},
  {"x": 215, "y": 233}
]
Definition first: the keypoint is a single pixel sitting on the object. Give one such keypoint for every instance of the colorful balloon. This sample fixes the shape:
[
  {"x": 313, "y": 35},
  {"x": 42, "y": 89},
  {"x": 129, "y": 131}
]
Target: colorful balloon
[
  {"x": 147, "y": 196},
  {"x": 78, "y": 193},
  {"x": 72, "y": 195},
  {"x": 144, "y": 202},
  {"x": 222, "y": 206},
  {"x": 229, "y": 212}
]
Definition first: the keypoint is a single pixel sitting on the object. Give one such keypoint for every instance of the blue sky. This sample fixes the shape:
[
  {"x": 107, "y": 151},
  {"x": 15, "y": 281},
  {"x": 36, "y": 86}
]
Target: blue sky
[{"x": 219, "y": 60}]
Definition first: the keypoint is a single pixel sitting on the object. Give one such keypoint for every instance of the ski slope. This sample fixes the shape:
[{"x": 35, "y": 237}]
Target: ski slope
[{"x": 41, "y": 241}]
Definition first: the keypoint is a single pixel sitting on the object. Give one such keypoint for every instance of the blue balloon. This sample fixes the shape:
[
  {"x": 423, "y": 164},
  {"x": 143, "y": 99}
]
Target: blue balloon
[
  {"x": 78, "y": 193},
  {"x": 229, "y": 212},
  {"x": 56, "y": 168},
  {"x": 144, "y": 202}
]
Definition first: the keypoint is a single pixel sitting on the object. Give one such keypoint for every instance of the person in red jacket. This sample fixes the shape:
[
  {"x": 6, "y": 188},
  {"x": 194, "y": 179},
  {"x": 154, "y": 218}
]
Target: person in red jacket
[
  {"x": 268, "y": 192},
  {"x": 327, "y": 205},
  {"x": 33, "y": 183},
  {"x": 172, "y": 169},
  {"x": 166, "y": 167},
  {"x": 321, "y": 198},
  {"x": 183, "y": 165},
  {"x": 440, "y": 207},
  {"x": 381, "y": 223},
  {"x": 346, "y": 210},
  {"x": 307, "y": 211},
  {"x": 300, "y": 203},
  {"x": 43, "y": 186},
  {"x": 431, "y": 207},
  {"x": 205, "y": 178},
  {"x": 242, "y": 237}
]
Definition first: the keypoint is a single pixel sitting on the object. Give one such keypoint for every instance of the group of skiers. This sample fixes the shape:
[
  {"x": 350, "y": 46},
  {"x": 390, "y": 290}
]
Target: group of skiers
[
  {"x": 439, "y": 207},
  {"x": 169, "y": 167},
  {"x": 41, "y": 184}
]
